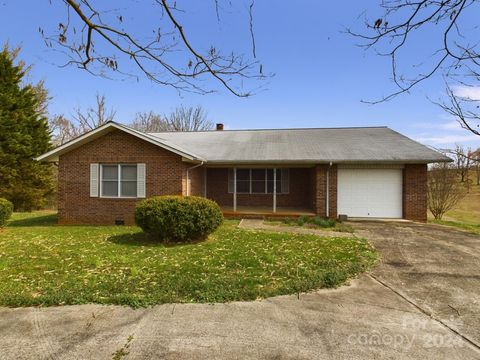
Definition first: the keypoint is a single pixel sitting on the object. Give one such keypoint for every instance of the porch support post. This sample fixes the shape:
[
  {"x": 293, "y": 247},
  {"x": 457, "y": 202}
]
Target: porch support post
[
  {"x": 275, "y": 190},
  {"x": 234, "y": 189}
]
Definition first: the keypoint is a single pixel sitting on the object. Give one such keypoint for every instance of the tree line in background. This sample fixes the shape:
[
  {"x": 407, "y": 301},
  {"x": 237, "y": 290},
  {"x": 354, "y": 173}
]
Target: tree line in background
[
  {"x": 466, "y": 161},
  {"x": 182, "y": 118}
]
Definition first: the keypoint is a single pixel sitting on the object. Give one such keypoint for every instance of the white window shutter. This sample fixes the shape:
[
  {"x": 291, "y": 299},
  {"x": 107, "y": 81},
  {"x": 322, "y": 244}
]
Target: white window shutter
[
  {"x": 94, "y": 180},
  {"x": 141, "y": 190}
]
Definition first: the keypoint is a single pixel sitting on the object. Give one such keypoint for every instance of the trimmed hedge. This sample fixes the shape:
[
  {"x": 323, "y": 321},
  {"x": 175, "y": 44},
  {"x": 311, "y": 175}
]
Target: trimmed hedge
[
  {"x": 6, "y": 210},
  {"x": 177, "y": 218}
]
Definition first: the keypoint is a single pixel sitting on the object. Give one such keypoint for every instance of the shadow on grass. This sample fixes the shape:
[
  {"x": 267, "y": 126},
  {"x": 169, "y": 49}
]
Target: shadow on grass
[
  {"x": 42, "y": 220},
  {"x": 142, "y": 239}
]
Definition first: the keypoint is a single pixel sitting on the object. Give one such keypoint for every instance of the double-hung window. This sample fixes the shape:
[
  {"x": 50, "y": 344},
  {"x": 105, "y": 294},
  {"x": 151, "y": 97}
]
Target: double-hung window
[
  {"x": 259, "y": 181},
  {"x": 118, "y": 180}
]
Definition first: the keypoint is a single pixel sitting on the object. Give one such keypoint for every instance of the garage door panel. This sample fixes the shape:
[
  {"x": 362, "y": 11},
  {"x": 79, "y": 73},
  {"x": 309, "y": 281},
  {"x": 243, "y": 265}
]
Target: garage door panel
[{"x": 370, "y": 192}]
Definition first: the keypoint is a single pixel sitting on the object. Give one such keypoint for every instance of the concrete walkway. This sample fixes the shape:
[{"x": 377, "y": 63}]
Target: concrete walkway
[{"x": 420, "y": 302}]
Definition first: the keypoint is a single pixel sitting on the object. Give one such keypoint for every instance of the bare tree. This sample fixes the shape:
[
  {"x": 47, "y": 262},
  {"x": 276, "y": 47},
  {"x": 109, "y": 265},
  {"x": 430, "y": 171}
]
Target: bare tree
[
  {"x": 94, "y": 116},
  {"x": 455, "y": 51},
  {"x": 62, "y": 129},
  {"x": 462, "y": 161},
  {"x": 444, "y": 190},
  {"x": 101, "y": 40},
  {"x": 476, "y": 164},
  {"x": 182, "y": 119},
  {"x": 149, "y": 122},
  {"x": 189, "y": 119}
]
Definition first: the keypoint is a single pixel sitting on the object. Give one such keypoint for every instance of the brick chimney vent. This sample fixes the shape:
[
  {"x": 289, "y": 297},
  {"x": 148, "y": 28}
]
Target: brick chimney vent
[{"x": 219, "y": 127}]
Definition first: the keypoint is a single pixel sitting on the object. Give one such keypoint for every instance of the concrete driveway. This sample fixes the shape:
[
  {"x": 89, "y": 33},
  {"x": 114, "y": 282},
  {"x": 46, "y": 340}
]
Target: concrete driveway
[{"x": 421, "y": 301}]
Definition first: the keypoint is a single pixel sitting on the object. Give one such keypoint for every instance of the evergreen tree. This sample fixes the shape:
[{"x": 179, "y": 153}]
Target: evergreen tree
[{"x": 24, "y": 135}]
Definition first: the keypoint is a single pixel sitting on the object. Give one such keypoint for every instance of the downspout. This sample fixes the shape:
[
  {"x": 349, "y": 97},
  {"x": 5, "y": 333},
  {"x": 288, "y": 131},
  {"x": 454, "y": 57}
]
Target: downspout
[
  {"x": 188, "y": 177},
  {"x": 327, "y": 191}
]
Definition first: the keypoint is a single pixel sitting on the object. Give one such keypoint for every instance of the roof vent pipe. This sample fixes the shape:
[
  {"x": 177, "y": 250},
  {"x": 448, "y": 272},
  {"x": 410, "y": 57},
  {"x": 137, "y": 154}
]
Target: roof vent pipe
[{"x": 219, "y": 127}]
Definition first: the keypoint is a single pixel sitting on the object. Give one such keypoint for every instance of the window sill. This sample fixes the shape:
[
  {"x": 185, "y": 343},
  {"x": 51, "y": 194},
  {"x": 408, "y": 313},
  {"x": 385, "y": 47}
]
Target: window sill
[
  {"x": 247, "y": 193},
  {"x": 120, "y": 197}
]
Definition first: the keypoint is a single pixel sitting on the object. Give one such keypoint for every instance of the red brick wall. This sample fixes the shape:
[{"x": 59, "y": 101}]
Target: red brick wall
[
  {"x": 333, "y": 192},
  {"x": 164, "y": 173},
  {"x": 196, "y": 179},
  {"x": 415, "y": 192},
  {"x": 319, "y": 190},
  {"x": 299, "y": 191}
]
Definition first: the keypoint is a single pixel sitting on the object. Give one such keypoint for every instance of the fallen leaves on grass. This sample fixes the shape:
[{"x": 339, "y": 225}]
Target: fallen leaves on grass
[{"x": 48, "y": 265}]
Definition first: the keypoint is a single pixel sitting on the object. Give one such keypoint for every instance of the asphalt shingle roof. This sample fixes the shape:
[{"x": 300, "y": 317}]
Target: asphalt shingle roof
[{"x": 338, "y": 145}]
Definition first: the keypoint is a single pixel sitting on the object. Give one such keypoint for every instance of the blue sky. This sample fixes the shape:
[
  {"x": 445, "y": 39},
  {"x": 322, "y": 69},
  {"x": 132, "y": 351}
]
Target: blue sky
[{"x": 321, "y": 76}]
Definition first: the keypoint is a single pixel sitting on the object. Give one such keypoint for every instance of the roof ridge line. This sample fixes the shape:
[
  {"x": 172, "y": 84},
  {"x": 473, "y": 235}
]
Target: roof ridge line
[{"x": 274, "y": 129}]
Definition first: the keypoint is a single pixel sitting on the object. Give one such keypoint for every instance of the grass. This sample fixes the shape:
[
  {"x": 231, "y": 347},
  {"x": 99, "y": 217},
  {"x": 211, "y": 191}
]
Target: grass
[
  {"x": 473, "y": 228},
  {"x": 315, "y": 222},
  {"x": 468, "y": 209},
  {"x": 42, "y": 263},
  {"x": 466, "y": 214}
]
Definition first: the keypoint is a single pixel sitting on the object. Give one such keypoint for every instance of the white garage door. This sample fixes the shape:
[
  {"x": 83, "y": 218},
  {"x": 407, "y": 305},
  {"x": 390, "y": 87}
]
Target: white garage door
[{"x": 370, "y": 193}]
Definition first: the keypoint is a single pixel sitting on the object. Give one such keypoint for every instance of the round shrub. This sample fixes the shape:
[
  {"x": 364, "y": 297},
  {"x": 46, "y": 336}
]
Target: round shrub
[
  {"x": 6, "y": 209},
  {"x": 177, "y": 218}
]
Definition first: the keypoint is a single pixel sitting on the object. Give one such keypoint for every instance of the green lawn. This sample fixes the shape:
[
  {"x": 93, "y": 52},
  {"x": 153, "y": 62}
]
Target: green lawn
[
  {"x": 45, "y": 264},
  {"x": 466, "y": 214},
  {"x": 473, "y": 228}
]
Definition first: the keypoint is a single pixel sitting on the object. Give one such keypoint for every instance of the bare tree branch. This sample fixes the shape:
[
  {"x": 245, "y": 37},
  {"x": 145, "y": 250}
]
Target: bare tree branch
[
  {"x": 98, "y": 41},
  {"x": 402, "y": 19},
  {"x": 250, "y": 14},
  {"x": 464, "y": 110}
]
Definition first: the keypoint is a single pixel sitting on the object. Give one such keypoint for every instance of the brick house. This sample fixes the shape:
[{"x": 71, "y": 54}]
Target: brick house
[{"x": 359, "y": 172}]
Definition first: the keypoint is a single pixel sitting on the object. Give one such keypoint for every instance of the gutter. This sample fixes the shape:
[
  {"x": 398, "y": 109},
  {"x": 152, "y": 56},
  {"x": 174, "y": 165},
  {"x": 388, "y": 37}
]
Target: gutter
[
  {"x": 188, "y": 177},
  {"x": 322, "y": 161}
]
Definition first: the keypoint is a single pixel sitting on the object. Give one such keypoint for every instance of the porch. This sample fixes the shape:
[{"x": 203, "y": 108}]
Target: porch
[{"x": 255, "y": 191}]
